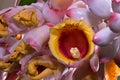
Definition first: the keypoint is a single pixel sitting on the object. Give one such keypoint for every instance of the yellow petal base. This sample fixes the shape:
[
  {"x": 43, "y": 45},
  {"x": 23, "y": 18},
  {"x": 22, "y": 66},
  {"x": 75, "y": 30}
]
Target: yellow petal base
[
  {"x": 112, "y": 71},
  {"x": 65, "y": 27}
]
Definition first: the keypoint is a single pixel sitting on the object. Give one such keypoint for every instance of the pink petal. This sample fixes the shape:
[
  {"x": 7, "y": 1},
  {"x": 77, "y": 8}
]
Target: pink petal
[
  {"x": 101, "y": 8},
  {"x": 38, "y": 41},
  {"x": 59, "y": 4},
  {"x": 114, "y": 22},
  {"x": 94, "y": 62},
  {"x": 83, "y": 14},
  {"x": 115, "y": 6},
  {"x": 15, "y": 27},
  {"x": 78, "y": 4},
  {"x": 104, "y": 37},
  {"x": 53, "y": 16},
  {"x": 107, "y": 52}
]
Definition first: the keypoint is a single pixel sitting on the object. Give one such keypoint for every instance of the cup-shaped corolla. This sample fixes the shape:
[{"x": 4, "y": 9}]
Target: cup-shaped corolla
[
  {"x": 71, "y": 40},
  {"x": 41, "y": 67}
]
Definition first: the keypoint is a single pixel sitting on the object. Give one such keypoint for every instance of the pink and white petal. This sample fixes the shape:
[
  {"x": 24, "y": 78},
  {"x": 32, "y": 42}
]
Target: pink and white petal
[
  {"x": 114, "y": 22},
  {"x": 94, "y": 63},
  {"x": 116, "y": 6},
  {"x": 107, "y": 52},
  {"x": 67, "y": 75},
  {"x": 59, "y": 72},
  {"x": 24, "y": 63},
  {"x": 7, "y": 42},
  {"x": 59, "y": 4},
  {"x": 38, "y": 5},
  {"x": 9, "y": 20},
  {"x": 104, "y": 37},
  {"x": 37, "y": 37},
  {"x": 53, "y": 16},
  {"x": 101, "y": 8},
  {"x": 3, "y": 75},
  {"x": 78, "y": 4},
  {"x": 83, "y": 14},
  {"x": 15, "y": 27},
  {"x": 116, "y": 0},
  {"x": 5, "y": 10},
  {"x": 51, "y": 77},
  {"x": 11, "y": 48}
]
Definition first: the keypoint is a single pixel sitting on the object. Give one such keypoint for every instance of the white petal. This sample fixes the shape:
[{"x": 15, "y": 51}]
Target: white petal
[
  {"x": 104, "y": 37},
  {"x": 114, "y": 22},
  {"x": 37, "y": 37},
  {"x": 84, "y": 14},
  {"x": 101, "y": 8}
]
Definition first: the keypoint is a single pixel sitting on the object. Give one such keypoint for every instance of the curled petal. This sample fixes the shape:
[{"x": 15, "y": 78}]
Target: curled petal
[
  {"x": 17, "y": 21},
  {"x": 3, "y": 75},
  {"x": 68, "y": 75},
  {"x": 20, "y": 51},
  {"x": 94, "y": 62},
  {"x": 59, "y": 72},
  {"x": 104, "y": 37},
  {"x": 8, "y": 66},
  {"x": 5, "y": 46},
  {"x": 24, "y": 63},
  {"x": 39, "y": 41},
  {"x": 41, "y": 67},
  {"x": 101, "y": 8}
]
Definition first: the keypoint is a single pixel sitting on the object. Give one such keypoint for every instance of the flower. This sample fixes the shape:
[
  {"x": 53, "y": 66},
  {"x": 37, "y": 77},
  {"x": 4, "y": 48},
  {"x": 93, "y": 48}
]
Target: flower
[
  {"x": 41, "y": 67},
  {"x": 71, "y": 40},
  {"x": 61, "y": 40}
]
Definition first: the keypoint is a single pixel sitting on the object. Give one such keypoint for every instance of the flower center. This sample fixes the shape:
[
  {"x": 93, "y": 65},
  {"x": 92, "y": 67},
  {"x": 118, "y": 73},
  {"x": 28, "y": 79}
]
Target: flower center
[
  {"x": 73, "y": 44},
  {"x": 40, "y": 68},
  {"x": 75, "y": 53}
]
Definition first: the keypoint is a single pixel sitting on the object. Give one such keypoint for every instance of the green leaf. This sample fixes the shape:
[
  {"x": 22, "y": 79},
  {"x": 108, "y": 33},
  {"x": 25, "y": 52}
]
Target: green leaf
[{"x": 26, "y": 2}]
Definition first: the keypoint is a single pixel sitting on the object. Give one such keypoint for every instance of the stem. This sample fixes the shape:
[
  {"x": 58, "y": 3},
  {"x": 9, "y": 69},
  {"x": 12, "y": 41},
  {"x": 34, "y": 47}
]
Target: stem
[{"x": 16, "y": 2}]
